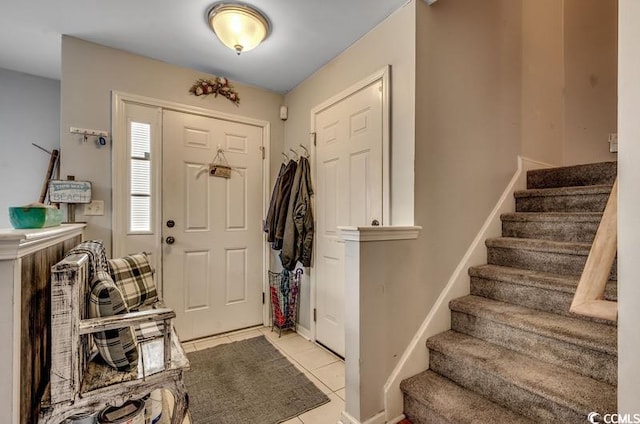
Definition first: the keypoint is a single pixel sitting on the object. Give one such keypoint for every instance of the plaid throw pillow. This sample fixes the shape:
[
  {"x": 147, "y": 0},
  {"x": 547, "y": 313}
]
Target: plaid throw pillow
[
  {"x": 117, "y": 347},
  {"x": 134, "y": 277}
]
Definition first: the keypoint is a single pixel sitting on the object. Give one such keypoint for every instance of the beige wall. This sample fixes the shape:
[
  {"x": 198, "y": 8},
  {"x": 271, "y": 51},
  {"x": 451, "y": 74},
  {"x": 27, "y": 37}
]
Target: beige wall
[
  {"x": 590, "y": 58},
  {"x": 569, "y": 80},
  {"x": 542, "y": 81},
  {"x": 384, "y": 313},
  {"x": 90, "y": 72},
  {"x": 467, "y": 130},
  {"x": 390, "y": 43},
  {"x": 375, "y": 317},
  {"x": 629, "y": 208}
]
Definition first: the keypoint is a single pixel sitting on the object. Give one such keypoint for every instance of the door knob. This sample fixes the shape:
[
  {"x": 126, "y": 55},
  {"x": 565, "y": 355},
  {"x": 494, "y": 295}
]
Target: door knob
[
  {"x": 375, "y": 223},
  {"x": 171, "y": 223},
  {"x": 170, "y": 240}
]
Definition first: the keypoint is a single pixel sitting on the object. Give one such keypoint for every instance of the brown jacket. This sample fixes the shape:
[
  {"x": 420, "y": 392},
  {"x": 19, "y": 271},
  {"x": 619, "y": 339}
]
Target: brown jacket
[{"x": 298, "y": 231}]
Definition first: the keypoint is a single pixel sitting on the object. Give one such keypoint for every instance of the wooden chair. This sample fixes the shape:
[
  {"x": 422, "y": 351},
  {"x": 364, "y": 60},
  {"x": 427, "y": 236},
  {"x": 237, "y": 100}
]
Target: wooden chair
[{"x": 80, "y": 383}]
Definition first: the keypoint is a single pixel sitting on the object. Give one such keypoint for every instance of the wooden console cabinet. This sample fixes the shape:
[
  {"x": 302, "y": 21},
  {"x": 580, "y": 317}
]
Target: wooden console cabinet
[{"x": 26, "y": 257}]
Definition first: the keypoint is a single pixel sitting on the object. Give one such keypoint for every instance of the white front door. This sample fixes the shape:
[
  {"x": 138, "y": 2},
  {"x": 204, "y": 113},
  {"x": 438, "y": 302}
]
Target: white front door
[
  {"x": 349, "y": 193},
  {"x": 211, "y": 226}
]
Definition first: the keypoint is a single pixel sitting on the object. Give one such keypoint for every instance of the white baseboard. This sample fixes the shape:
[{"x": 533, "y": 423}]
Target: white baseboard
[
  {"x": 304, "y": 332},
  {"x": 415, "y": 358},
  {"x": 528, "y": 164},
  {"x": 346, "y": 418},
  {"x": 397, "y": 419}
]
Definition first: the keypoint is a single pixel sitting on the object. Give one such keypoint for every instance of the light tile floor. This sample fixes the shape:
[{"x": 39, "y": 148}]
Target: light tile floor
[{"x": 322, "y": 367}]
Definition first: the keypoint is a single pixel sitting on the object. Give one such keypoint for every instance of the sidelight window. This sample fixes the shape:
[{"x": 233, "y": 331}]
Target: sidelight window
[{"x": 140, "y": 200}]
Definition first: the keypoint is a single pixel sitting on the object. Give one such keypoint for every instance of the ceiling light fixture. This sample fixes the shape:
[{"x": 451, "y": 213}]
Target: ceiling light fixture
[{"x": 238, "y": 26}]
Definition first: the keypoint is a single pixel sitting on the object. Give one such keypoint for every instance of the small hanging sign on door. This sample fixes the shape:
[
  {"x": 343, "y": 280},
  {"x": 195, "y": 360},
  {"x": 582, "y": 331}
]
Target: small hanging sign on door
[{"x": 220, "y": 166}]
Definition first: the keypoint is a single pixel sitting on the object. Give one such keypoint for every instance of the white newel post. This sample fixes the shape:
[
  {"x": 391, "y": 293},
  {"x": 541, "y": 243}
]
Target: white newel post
[
  {"x": 14, "y": 246},
  {"x": 367, "y": 313}
]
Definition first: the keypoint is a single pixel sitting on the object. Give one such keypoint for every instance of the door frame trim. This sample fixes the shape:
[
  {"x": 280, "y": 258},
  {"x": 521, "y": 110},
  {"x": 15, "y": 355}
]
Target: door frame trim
[
  {"x": 118, "y": 131},
  {"x": 383, "y": 75}
]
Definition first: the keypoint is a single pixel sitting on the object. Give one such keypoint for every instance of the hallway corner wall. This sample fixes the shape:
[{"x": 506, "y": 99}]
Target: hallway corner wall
[{"x": 468, "y": 127}]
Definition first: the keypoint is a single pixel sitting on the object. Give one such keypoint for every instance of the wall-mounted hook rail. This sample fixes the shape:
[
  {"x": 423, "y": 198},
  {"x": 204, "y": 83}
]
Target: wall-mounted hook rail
[{"x": 101, "y": 135}]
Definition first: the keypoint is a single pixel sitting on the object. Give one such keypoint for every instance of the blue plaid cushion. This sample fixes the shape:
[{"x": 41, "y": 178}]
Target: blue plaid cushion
[{"x": 117, "y": 347}]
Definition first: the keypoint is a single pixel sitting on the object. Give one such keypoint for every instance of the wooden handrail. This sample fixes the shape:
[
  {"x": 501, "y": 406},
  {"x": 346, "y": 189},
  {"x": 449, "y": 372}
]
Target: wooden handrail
[{"x": 589, "y": 297}]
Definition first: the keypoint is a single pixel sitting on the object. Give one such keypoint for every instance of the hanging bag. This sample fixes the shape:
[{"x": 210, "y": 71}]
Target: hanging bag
[{"x": 220, "y": 166}]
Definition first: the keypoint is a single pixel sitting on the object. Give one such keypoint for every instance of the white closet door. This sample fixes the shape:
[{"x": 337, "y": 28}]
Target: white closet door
[{"x": 349, "y": 193}]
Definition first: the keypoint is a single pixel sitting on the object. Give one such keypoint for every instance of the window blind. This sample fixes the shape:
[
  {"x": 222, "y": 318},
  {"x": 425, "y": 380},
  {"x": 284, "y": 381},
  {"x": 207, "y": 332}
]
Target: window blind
[{"x": 140, "y": 177}]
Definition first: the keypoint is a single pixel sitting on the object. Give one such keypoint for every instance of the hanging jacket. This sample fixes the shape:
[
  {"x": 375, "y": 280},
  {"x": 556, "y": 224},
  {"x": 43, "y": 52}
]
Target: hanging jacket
[
  {"x": 298, "y": 233},
  {"x": 282, "y": 203},
  {"x": 269, "y": 222}
]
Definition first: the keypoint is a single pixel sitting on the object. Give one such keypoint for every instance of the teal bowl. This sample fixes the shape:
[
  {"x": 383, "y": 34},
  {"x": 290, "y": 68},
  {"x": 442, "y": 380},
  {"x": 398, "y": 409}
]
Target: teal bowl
[{"x": 34, "y": 217}]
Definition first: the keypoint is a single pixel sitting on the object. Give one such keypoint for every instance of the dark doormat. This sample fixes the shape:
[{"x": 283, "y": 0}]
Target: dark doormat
[{"x": 247, "y": 382}]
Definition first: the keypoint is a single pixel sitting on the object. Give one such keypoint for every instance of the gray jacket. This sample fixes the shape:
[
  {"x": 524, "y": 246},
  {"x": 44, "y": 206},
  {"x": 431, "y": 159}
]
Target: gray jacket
[
  {"x": 270, "y": 221},
  {"x": 279, "y": 217},
  {"x": 298, "y": 231}
]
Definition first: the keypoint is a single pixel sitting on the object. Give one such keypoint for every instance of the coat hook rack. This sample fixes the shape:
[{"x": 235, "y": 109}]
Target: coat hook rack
[
  {"x": 295, "y": 153},
  {"x": 306, "y": 151},
  {"x": 286, "y": 157},
  {"x": 101, "y": 136}
]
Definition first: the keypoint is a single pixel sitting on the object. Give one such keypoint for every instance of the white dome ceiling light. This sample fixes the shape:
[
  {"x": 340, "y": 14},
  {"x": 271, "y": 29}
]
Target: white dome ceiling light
[{"x": 239, "y": 26}]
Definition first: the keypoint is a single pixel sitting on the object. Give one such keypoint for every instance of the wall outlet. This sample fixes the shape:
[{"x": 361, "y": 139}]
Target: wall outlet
[
  {"x": 613, "y": 142},
  {"x": 96, "y": 207}
]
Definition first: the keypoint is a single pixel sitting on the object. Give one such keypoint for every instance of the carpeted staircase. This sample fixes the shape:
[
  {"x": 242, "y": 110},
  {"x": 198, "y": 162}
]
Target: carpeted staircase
[{"x": 515, "y": 354}]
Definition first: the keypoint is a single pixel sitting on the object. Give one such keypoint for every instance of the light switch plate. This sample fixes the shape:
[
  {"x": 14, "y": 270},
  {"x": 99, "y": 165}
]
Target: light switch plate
[
  {"x": 96, "y": 207},
  {"x": 613, "y": 142}
]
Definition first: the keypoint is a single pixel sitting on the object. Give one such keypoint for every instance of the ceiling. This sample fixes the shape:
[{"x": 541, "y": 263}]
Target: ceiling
[{"x": 305, "y": 35}]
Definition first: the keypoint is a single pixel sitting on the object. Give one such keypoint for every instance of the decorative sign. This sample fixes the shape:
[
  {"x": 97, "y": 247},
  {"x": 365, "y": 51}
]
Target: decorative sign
[
  {"x": 69, "y": 191},
  {"x": 221, "y": 171}
]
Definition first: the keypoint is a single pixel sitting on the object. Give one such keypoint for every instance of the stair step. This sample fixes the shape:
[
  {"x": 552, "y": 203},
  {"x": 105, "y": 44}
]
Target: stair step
[
  {"x": 565, "y": 199},
  {"x": 432, "y": 399},
  {"x": 534, "y": 289},
  {"x": 585, "y": 347},
  {"x": 535, "y": 388},
  {"x": 559, "y": 226},
  {"x": 576, "y": 175},
  {"x": 567, "y": 258}
]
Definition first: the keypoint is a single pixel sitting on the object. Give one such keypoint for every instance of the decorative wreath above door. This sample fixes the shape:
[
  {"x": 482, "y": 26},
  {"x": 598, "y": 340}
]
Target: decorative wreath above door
[{"x": 216, "y": 86}]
